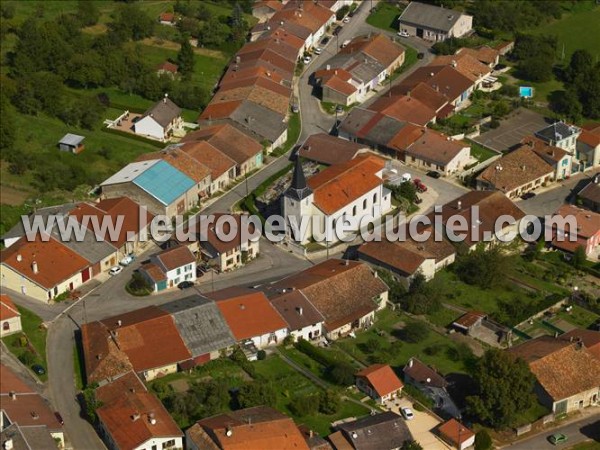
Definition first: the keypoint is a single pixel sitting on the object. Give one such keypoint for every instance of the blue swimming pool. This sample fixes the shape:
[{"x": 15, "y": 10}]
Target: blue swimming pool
[{"x": 526, "y": 91}]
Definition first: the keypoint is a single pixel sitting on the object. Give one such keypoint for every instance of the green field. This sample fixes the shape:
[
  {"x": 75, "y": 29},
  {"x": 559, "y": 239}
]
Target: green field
[
  {"x": 385, "y": 16},
  {"x": 480, "y": 152}
]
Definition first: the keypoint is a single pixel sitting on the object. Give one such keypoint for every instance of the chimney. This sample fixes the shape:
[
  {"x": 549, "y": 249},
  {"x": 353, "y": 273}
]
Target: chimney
[
  {"x": 8, "y": 444},
  {"x": 135, "y": 416},
  {"x": 459, "y": 204},
  {"x": 410, "y": 363},
  {"x": 165, "y": 98},
  {"x": 408, "y": 94},
  {"x": 119, "y": 322},
  {"x": 328, "y": 67},
  {"x": 12, "y": 395},
  {"x": 347, "y": 262},
  {"x": 151, "y": 419},
  {"x": 34, "y": 267},
  {"x": 19, "y": 257},
  {"x": 229, "y": 432},
  {"x": 299, "y": 309}
]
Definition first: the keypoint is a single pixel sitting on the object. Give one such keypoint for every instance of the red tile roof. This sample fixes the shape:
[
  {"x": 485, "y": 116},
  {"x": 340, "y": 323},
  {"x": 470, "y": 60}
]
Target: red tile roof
[
  {"x": 382, "y": 378},
  {"x": 549, "y": 153},
  {"x": 8, "y": 310},
  {"x": 469, "y": 319},
  {"x": 407, "y": 135},
  {"x": 214, "y": 111},
  {"x": 167, "y": 67},
  {"x": 228, "y": 140},
  {"x": 167, "y": 17},
  {"x": 224, "y": 228},
  {"x": 428, "y": 96},
  {"x": 455, "y": 432},
  {"x": 176, "y": 257},
  {"x": 132, "y": 415},
  {"x": 484, "y": 53},
  {"x": 338, "y": 84},
  {"x": 590, "y": 338},
  {"x": 55, "y": 261},
  {"x": 247, "y": 312},
  {"x": 436, "y": 148},
  {"x": 588, "y": 222},
  {"x": 341, "y": 184},
  {"x": 423, "y": 374},
  {"x": 378, "y": 46},
  {"x": 154, "y": 272},
  {"x": 206, "y": 154},
  {"x": 10, "y": 382},
  {"x": 590, "y": 137},
  {"x": 465, "y": 63},
  {"x": 407, "y": 109},
  {"x": 327, "y": 149}
]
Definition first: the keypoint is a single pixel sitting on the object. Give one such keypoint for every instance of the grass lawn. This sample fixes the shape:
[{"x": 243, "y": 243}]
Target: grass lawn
[
  {"x": 578, "y": 316},
  {"x": 531, "y": 415},
  {"x": 410, "y": 57},
  {"x": 443, "y": 317},
  {"x": 480, "y": 152},
  {"x": 586, "y": 446},
  {"x": 385, "y": 16},
  {"x": 294, "y": 129},
  {"x": 36, "y": 336}
]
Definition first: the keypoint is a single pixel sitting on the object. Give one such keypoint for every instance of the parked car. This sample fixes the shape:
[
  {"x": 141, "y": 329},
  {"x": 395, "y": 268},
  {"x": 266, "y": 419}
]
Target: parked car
[
  {"x": 339, "y": 109},
  {"x": 38, "y": 369},
  {"x": 346, "y": 19},
  {"x": 407, "y": 413},
  {"x": 420, "y": 55},
  {"x": 433, "y": 174},
  {"x": 318, "y": 51},
  {"x": 185, "y": 285},
  {"x": 405, "y": 177},
  {"x": 419, "y": 185},
  {"x": 126, "y": 261},
  {"x": 403, "y": 33},
  {"x": 115, "y": 270},
  {"x": 558, "y": 438},
  {"x": 418, "y": 200},
  {"x": 307, "y": 59},
  {"x": 337, "y": 30},
  {"x": 527, "y": 195},
  {"x": 325, "y": 40},
  {"x": 59, "y": 418}
]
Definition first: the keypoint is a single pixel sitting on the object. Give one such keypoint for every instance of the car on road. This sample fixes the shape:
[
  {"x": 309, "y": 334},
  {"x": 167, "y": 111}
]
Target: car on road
[
  {"x": 407, "y": 413},
  {"x": 325, "y": 40},
  {"x": 419, "y": 185},
  {"x": 307, "y": 59},
  {"x": 185, "y": 285},
  {"x": 318, "y": 51},
  {"x": 433, "y": 174},
  {"x": 527, "y": 195},
  {"x": 38, "y": 369},
  {"x": 420, "y": 55},
  {"x": 126, "y": 261},
  {"x": 59, "y": 418},
  {"x": 346, "y": 19},
  {"x": 337, "y": 30},
  {"x": 558, "y": 438},
  {"x": 115, "y": 270},
  {"x": 403, "y": 33}
]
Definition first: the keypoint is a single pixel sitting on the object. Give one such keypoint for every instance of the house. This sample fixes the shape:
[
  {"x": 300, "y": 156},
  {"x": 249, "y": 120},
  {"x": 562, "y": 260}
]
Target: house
[
  {"x": 169, "y": 268},
  {"x": 566, "y": 372},
  {"x": 21, "y": 405},
  {"x": 589, "y": 195},
  {"x": 588, "y": 146},
  {"x": 421, "y": 375},
  {"x": 264, "y": 9},
  {"x": 407, "y": 258},
  {"x": 484, "y": 54},
  {"x": 329, "y": 150},
  {"x": 405, "y": 108},
  {"x": 131, "y": 418},
  {"x": 71, "y": 143},
  {"x": 10, "y": 317},
  {"x": 378, "y": 431},
  {"x": 156, "y": 185},
  {"x": 346, "y": 293},
  {"x": 145, "y": 340},
  {"x": 222, "y": 168},
  {"x": 481, "y": 211},
  {"x": 202, "y": 328},
  {"x": 589, "y": 338},
  {"x": 587, "y": 232},
  {"x": 42, "y": 268},
  {"x": 434, "y": 23},
  {"x": 517, "y": 173},
  {"x": 304, "y": 321},
  {"x": 166, "y": 18},
  {"x": 353, "y": 190},
  {"x": 466, "y": 64},
  {"x": 160, "y": 121},
  {"x": 435, "y": 151},
  {"x": 469, "y": 321},
  {"x": 260, "y": 427},
  {"x": 245, "y": 151},
  {"x": 26, "y": 438},
  {"x": 252, "y": 319},
  {"x": 379, "y": 382},
  {"x": 167, "y": 68},
  {"x": 456, "y": 434},
  {"x": 358, "y": 68},
  {"x": 559, "y": 159},
  {"x": 560, "y": 135}
]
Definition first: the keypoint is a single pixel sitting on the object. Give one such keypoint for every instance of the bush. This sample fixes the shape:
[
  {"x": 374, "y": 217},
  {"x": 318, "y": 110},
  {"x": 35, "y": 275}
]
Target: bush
[
  {"x": 329, "y": 402},
  {"x": 305, "y": 405},
  {"x": 261, "y": 355},
  {"x": 494, "y": 123},
  {"x": 483, "y": 441},
  {"x": 342, "y": 373},
  {"x": 138, "y": 285},
  {"x": 27, "y": 358},
  {"x": 415, "y": 332}
]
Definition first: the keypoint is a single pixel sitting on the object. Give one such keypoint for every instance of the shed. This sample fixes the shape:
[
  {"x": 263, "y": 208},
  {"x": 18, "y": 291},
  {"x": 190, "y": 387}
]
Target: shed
[{"x": 71, "y": 143}]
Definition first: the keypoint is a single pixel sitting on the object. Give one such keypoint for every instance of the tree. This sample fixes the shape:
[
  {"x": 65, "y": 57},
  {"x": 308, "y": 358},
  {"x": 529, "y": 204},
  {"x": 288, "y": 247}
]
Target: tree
[
  {"x": 415, "y": 332},
  {"x": 131, "y": 22},
  {"x": 8, "y": 132},
  {"x": 581, "y": 64},
  {"x": 256, "y": 393},
  {"x": 504, "y": 387},
  {"x": 185, "y": 60},
  {"x": 237, "y": 23},
  {"x": 567, "y": 104},
  {"x": 396, "y": 289},
  {"x": 483, "y": 441},
  {"x": 213, "y": 33},
  {"x": 484, "y": 268},
  {"x": 87, "y": 13},
  {"x": 305, "y": 405},
  {"x": 411, "y": 445},
  {"x": 329, "y": 402},
  {"x": 342, "y": 373},
  {"x": 579, "y": 257}
]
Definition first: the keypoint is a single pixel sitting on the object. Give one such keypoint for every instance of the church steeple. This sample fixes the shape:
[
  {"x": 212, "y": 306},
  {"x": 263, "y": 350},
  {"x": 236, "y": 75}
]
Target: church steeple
[{"x": 298, "y": 190}]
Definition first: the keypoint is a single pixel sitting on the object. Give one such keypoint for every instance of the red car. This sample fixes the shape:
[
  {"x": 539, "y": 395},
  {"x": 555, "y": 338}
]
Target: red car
[{"x": 419, "y": 185}]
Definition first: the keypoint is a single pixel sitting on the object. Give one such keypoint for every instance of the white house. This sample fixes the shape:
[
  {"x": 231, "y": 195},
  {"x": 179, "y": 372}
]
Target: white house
[
  {"x": 352, "y": 191},
  {"x": 379, "y": 382},
  {"x": 169, "y": 268},
  {"x": 160, "y": 121},
  {"x": 303, "y": 319},
  {"x": 10, "y": 317}
]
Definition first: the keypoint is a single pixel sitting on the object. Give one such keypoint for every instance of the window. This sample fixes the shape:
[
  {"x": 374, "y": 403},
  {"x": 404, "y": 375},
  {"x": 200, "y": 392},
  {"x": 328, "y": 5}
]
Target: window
[
  {"x": 169, "y": 444},
  {"x": 375, "y": 198},
  {"x": 365, "y": 203},
  {"x": 354, "y": 210},
  {"x": 179, "y": 271},
  {"x": 5, "y": 326}
]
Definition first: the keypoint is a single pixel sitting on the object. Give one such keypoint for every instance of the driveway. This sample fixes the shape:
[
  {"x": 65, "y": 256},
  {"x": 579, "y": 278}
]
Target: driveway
[{"x": 421, "y": 426}]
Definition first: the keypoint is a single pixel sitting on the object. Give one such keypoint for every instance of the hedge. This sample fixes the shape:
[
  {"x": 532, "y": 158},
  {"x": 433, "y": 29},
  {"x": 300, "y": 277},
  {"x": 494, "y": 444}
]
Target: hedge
[{"x": 315, "y": 353}]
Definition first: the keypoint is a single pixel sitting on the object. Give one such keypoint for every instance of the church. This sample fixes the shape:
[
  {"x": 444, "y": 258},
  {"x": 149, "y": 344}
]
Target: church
[{"x": 352, "y": 190}]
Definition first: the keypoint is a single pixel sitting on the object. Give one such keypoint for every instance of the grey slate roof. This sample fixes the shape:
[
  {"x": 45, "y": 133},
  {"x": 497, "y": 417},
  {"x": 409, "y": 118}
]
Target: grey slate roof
[
  {"x": 28, "y": 438},
  {"x": 260, "y": 120},
  {"x": 557, "y": 132},
  {"x": 164, "y": 111},
  {"x": 385, "y": 430},
  {"x": 384, "y": 130},
  {"x": 360, "y": 65},
  {"x": 429, "y": 16},
  {"x": 18, "y": 230},
  {"x": 90, "y": 247},
  {"x": 356, "y": 119},
  {"x": 71, "y": 139},
  {"x": 298, "y": 190},
  {"x": 200, "y": 324}
]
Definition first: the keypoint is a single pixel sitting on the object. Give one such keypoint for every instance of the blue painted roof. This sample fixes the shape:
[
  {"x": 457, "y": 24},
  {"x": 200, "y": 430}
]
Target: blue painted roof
[{"x": 164, "y": 182}]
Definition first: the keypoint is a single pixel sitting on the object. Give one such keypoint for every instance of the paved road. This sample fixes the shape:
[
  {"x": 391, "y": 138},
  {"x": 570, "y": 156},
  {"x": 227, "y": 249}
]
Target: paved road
[
  {"x": 577, "y": 432},
  {"x": 548, "y": 201}
]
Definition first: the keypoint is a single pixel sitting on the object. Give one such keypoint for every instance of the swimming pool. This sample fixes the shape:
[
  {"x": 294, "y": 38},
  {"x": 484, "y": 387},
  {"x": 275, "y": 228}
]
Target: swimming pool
[{"x": 526, "y": 91}]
